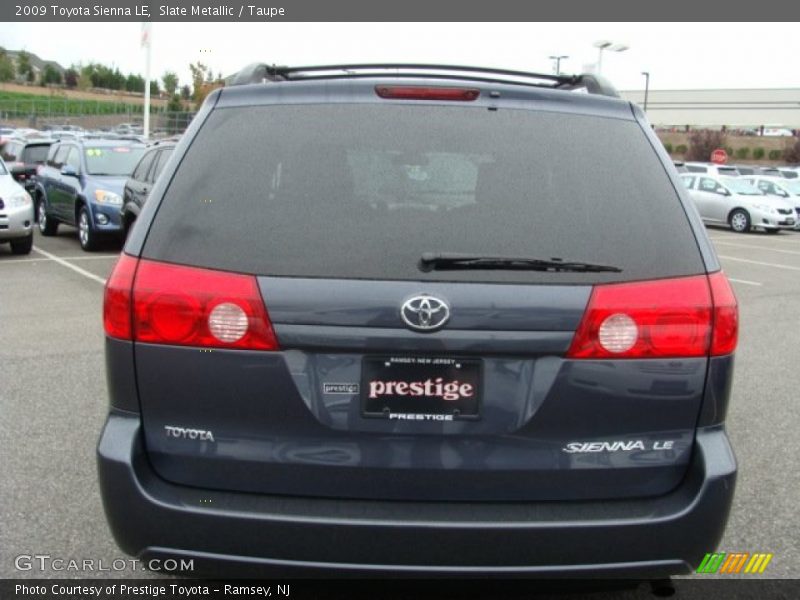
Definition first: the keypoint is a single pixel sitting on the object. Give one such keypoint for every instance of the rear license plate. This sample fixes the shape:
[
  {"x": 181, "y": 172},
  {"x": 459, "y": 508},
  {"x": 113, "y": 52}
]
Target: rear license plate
[{"x": 420, "y": 388}]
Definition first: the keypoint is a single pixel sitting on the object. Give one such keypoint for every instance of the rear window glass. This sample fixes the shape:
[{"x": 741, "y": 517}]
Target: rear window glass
[
  {"x": 360, "y": 191},
  {"x": 10, "y": 151},
  {"x": 35, "y": 154},
  {"x": 112, "y": 160}
]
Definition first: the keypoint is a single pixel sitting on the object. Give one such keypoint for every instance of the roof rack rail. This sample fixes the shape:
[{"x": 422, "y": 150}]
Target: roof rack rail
[{"x": 262, "y": 72}]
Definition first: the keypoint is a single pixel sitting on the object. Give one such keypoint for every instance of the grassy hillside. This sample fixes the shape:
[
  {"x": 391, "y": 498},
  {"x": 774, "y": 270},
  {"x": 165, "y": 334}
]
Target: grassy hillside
[{"x": 22, "y": 101}]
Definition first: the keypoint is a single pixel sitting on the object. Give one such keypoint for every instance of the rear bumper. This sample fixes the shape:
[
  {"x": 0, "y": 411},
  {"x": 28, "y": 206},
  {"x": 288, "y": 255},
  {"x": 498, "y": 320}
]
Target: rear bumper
[{"x": 653, "y": 537}]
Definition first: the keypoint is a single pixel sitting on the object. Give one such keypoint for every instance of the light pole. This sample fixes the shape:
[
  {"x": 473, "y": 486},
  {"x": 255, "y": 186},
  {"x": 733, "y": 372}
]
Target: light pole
[
  {"x": 606, "y": 45},
  {"x": 558, "y": 60},
  {"x": 646, "y": 87}
]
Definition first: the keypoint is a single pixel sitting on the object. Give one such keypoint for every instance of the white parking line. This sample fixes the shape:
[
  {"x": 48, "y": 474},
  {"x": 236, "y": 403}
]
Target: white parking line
[
  {"x": 30, "y": 260},
  {"x": 75, "y": 268},
  {"x": 784, "y": 239},
  {"x": 757, "y": 247},
  {"x": 758, "y": 262},
  {"x": 745, "y": 281}
]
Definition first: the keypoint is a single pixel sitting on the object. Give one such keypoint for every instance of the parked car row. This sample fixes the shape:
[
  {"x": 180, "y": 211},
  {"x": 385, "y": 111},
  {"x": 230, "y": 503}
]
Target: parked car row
[
  {"x": 737, "y": 202},
  {"x": 792, "y": 172},
  {"x": 95, "y": 182},
  {"x": 744, "y": 197}
]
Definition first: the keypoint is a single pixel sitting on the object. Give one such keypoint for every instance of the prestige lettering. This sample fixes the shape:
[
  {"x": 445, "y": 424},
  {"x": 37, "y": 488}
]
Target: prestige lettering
[{"x": 435, "y": 388}]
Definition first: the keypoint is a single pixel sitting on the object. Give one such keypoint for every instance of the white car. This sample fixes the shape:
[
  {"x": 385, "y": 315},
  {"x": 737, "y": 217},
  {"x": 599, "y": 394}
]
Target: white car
[
  {"x": 735, "y": 202},
  {"x": 787, "y": 189},
  {"x": 16, "y": 214},
  {"x": 711, "y": 168}
]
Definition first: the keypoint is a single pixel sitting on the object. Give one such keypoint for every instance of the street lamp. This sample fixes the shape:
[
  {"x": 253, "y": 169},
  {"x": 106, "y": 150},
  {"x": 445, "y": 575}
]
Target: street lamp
[
  {"x": 557, "y": 60},
  {"x": 646, "y": 87},
  {"x": 606, "y": 45}
]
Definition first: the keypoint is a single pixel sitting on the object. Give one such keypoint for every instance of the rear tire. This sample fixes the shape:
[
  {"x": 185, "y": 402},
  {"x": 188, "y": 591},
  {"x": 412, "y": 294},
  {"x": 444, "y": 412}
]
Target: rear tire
[
  {"x": 47, "y": 225},
  {"x": 22, "y": 246},
  {"x": 86, "y": 235},
  {"x": 739, "y": 221}
]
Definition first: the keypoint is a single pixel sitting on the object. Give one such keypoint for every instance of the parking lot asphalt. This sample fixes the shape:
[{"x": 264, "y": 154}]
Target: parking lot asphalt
[{"x": 53, "y": 402}]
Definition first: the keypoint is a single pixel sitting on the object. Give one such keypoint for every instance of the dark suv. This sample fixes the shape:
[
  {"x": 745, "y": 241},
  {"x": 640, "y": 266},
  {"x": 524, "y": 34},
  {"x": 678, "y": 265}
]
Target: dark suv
[
  {"x": 23, "y": 158},
  {"x": 141, "y": 181},
  {"x": 416, "y": 319},
  {"x": 81, "y": 184}
]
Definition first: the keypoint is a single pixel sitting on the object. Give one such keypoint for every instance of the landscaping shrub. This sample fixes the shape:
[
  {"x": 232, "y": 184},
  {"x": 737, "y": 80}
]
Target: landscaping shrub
[{"x": 703, "y": 143}]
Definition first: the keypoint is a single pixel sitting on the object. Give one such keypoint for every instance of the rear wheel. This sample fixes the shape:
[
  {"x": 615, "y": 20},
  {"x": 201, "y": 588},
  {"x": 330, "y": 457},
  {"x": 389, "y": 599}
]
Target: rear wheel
[
  {"x": 739, "y": 221},
  {"x": 22, "y": 246},
  {"x": 86, "y": 235},
  {"x": 47, "y": 225}
]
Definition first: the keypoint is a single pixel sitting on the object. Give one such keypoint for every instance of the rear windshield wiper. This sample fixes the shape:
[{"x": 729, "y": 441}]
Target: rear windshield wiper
[{"x": 451, "y": 261}]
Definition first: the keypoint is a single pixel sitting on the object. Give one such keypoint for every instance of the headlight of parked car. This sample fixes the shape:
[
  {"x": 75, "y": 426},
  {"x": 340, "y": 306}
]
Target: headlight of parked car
[
  {"x": 766, "y": 208},
  {"x": 19, "y": 200},
  {"x": 106, "y": 197}
]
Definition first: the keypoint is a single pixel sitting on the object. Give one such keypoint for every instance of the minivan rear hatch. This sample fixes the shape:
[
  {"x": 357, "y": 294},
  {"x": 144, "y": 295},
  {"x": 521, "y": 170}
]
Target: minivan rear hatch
[{"x": 392, "y": 379}]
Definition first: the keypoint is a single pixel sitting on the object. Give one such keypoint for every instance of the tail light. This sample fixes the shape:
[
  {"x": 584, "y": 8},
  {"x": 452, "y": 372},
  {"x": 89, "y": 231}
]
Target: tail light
[
  {"x": 683, "y": 317},
  {"x": 117, "y": 309},
  {"x": 726, "y": 315},
  {"x": 160, "y": 303},
  {"x": 415, "y": 92}
]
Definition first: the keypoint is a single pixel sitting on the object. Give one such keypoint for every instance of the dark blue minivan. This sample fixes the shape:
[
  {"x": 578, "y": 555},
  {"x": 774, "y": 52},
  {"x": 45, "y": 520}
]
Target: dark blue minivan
[
  {"x": 428, "y": 320},
  {"x": 81, "y": 185}
]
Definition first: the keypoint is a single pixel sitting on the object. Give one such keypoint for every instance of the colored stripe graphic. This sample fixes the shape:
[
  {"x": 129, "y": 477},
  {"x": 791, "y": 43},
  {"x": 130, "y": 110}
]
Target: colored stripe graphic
[
  {"x": 734, "y": 562},
  {"x": 758, "y": 563}
]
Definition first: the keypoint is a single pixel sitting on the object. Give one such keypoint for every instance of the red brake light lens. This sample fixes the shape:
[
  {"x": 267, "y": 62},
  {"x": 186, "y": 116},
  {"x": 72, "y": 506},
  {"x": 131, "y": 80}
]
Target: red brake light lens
[
  {"x": 413, "y": 92},
  {"x": 117, "y": 310},
  {"x": 726, "y": 315},
  {"x": 160, "y": 303},
  {"x": 650, "y": 319},
  {"x": 189, "y": 306}
]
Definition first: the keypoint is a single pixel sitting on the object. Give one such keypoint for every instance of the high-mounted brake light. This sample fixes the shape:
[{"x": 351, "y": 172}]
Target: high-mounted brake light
[
  {"x": 678, "y": 318},
  {"x": 413, "y": 92},
  {"x": 186, "y": 306}
]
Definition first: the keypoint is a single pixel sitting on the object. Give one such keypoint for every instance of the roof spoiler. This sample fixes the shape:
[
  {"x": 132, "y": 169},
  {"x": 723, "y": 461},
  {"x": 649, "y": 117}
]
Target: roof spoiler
[{"x": 263, "y": 73}]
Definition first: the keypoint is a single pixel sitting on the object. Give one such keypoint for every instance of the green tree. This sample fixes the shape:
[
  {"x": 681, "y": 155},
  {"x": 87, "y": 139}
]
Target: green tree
[
  {"x": 50, "y": 75},
  {"x": 170, "y": 81},
  {"x": 7, "y": 71},
  {"x": 175, "y": 104},
  {"x": 154, "y": 89},
  {"x": 186, "y": 92},
  {"x": 24, "y": 67},
  {"x": 199, "y": 74}
]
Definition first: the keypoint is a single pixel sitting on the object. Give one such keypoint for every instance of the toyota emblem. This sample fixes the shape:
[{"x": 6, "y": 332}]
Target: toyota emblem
[{"x": 424, "y": 312}]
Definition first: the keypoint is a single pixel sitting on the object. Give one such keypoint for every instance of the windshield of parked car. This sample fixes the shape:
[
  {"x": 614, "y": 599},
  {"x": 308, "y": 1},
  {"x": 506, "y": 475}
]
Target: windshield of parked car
[
  {"x": 793, "y": 187},
  {"x": 113, "y": 160},
  {"x": 740, "y": 186},
  {"x": 3, "y": 168}
]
